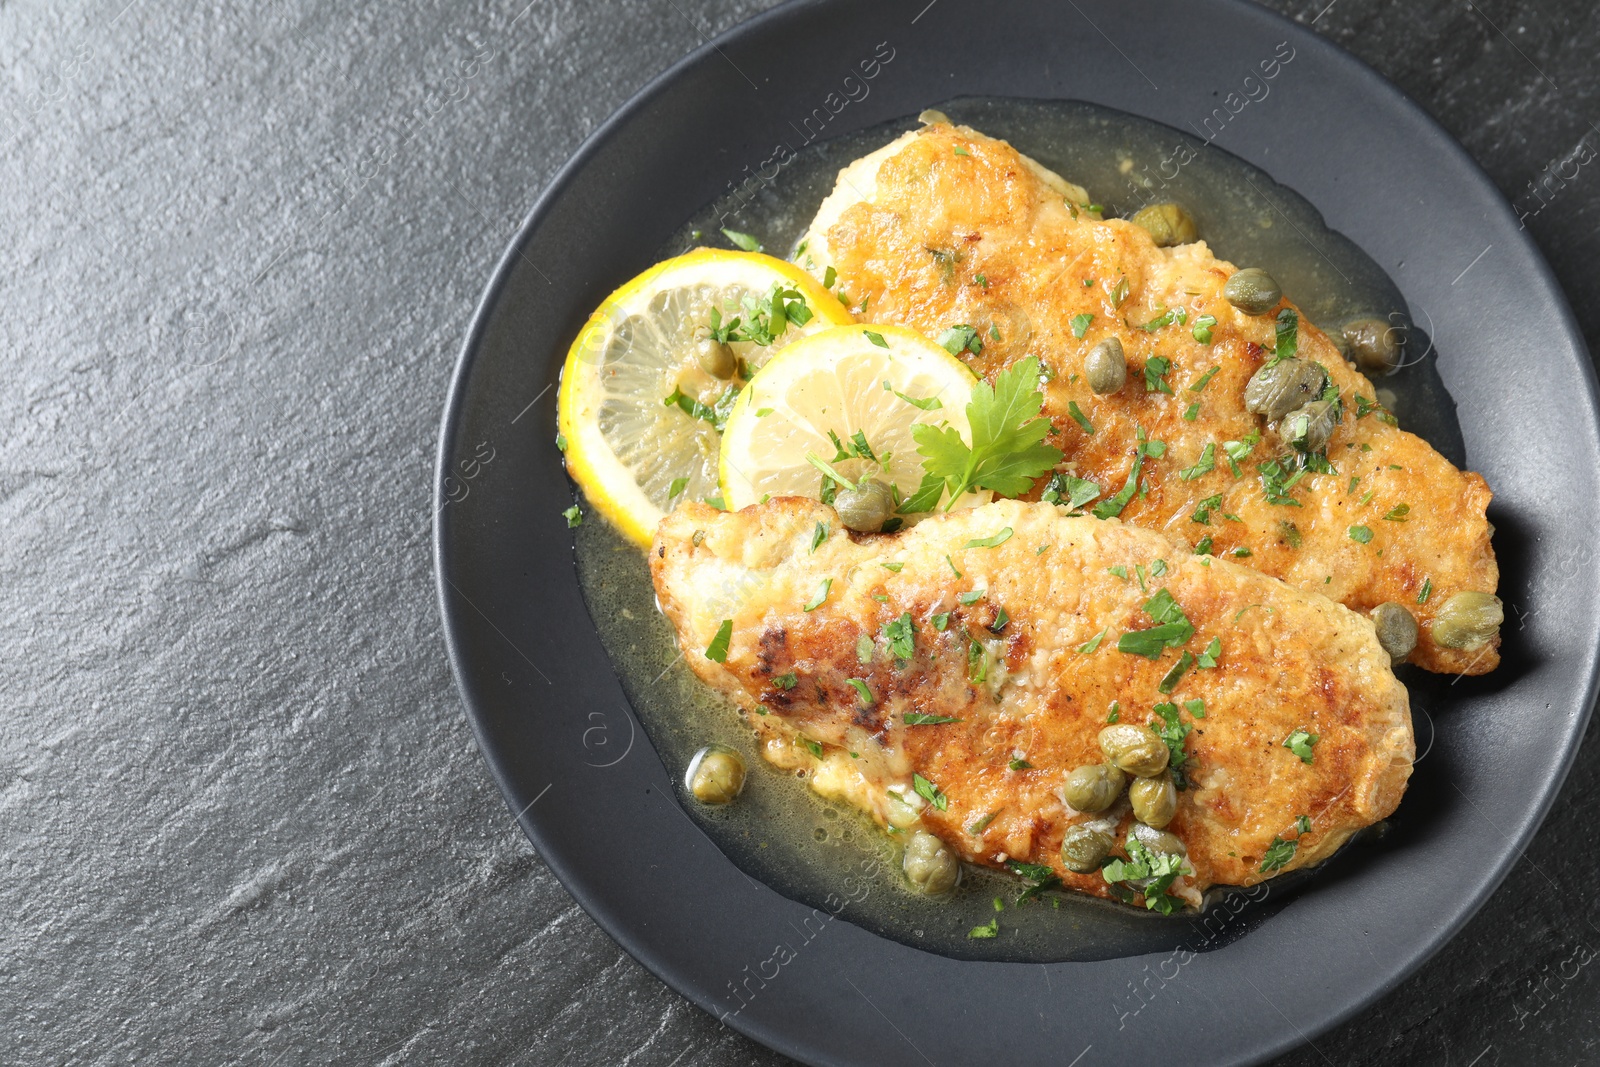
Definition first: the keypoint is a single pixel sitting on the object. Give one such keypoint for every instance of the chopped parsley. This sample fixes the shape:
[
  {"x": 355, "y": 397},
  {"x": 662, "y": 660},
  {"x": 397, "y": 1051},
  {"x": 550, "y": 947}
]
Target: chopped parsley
[
  {"x": 990, "y": 542},
  {"x": 561, "y": 444},
  {"x": 981, "y": 823},
  {"x": 1211, "y": 655},
  {"x": 931, "y": 403},
  {"x": 1279, "y": 853},
  {"x": 1202, "y": 331},
  {"x": 1170, "y": 727},
  {"x": 971, "y": 596},
  {"x": 1300, "y": 743},
  {"x": 861, "y": 690},
  {"x": 895, "y": 567},
  {"x": 1172, "y": 628},
  {"x": 1080, "y": 418},
  {"x": 819, "y": 535},
  {"x": 1070, "y": 491},
  {"x": 1303, "y": 824},
  {"x": 1038, "y": 875},
  {"x": 1119, "y": 571},
  {"x": 717, "y": 650},
  {"x": 1161, "y": 868},
  {"x": 1155, "y": 370},
  {"x": 716, "y": 414},
  {"x": 574, "y": 516},
  {"x": 1290, "y": 532},
  {"x": 1202, "y": 511},
  {"x": 1202, "y": 466},
  {"x": 822, "y": 594},
  {"x": 1361, "y": 534},
  {"x": 742, "y": 240},
  {"x": 961, "y": 338},
  {"x": 864, "y": 647},
  {"x": 1196, "y": 708},
  {"x": 1397, "y": 513},
  {"x": 1093, "y": 642},
  {"x": 1175, "y": 675},
  {"x": 786, "y": 681},
  {"x": 1191, "y": 412},
  {"x": 1112, "y": 506},
  {"x": 941, "y": 621},
  {"x": 875, "y": 337},
  {"x": 1286, "y": 341},
  {"x": 929, "y": 792},
  {"x": 1116, "y": 711},
  {"x": 1427, "y": 591},
  {"x": 1203, "y": 546},
  {"x": 1080, "y": 324},
  {"x": 1000, "y": 620},
  {"x": 901, "y": 634},
  {"x": 1237, "y": 450},
  {"x": 918, "y": 718},
  {"x": 1007, "y": 451},
  {"x": 977, "y": 663}
]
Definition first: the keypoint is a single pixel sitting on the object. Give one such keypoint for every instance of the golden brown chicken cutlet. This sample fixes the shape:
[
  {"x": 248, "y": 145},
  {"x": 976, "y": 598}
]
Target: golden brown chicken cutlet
[
  {"x": 946, "y": 226},
  {"x": 951, "y": 676}
]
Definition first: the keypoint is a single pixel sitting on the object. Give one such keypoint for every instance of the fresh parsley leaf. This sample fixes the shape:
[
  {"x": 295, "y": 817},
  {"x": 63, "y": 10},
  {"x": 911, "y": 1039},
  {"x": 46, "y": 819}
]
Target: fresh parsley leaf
[
  {"x": 742, "y": 240},
  {"x": 678, "y": 485},
  {"x": 716, "y": 414},
  {"x": 1237, "y": 450},
  {"x": 1191, "y": 412},
  {"x": 926, "y": 498},
  {"x": 1398, "y": 513},
  {"x": 971, "y": 596},
  {"x": 1202, "y": 510},
  {"x": 1361, "y": 534},
  {"x": 1171, "y": 728},
  {"x": 822, "y": 594},
  {"x": 918, "y": 718},
  {"x": 1080, "y": 324},
  {"x": 875, "y": 337},
  {"x": 1300, "y": 743},
  {"x": 1196, "y": 708},
  {"x": 977, "y": 663},
  {"x": 941, "y": 621},
  {"x": 1160, "y": 868},
  {"x": 1118, "y": 571},
  {"x": 1211, "y": 655},
  {"x": 717, "y": 650},
  {"x": 1007, "y": 451},
  {"x": 1202, "y": 333},
  {"x": 1279, "y": 853},
  {"x": 1093, "y": 642},
  {"x": 990, "y": 542},
  {"x": 931, "y": 403},
  {"x": 929, "y": 792},
  {"x": 861, "y": 690},
  {"x": 1116, "y": 711},
  {"x": 1000, "y": 620},
  {"x": 819, "y": 535},
  {"x": 1303, "y": 824}
]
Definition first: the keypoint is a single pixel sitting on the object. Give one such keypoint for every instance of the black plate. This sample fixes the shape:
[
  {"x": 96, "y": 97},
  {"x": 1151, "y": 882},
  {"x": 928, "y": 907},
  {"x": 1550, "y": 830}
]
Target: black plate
[{"x": 597, "y": 802}]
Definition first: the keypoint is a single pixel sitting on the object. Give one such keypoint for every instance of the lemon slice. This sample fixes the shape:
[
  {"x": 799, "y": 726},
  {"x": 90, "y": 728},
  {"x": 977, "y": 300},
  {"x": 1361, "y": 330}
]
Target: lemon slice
[
  {"x": 810, "y": 401},
  {"x": 634, "y": 455}
]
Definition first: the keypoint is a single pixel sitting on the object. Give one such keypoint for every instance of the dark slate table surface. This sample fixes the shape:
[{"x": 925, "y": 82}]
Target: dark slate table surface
[{"x": 243, "y": 818}]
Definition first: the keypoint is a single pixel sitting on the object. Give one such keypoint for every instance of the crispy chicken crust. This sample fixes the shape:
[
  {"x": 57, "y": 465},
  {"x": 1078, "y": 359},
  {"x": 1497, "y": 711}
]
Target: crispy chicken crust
[
  {"x": 1290, "y": 660},
  {"x": 929, "y": 238}
]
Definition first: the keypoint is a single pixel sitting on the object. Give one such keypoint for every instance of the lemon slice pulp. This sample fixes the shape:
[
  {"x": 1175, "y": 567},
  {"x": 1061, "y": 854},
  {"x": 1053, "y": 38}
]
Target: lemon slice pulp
[
  {"x": 634, "y": 454},
  {"x": 828, "y": 394}
]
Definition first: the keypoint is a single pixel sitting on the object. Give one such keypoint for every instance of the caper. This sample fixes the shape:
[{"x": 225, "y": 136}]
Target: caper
[
  {"x": 866, "y": 507},
  {"x": 715, "y": 358},
  {"x": 1154, "y": 800},
  {"x": 1252, "y": 291},
  {"x": 1134, "y": 749},
  {"x": 1374, "y": 345},
  {"x": 1163, "y": 841},
  {"x": 1095, "y": 787},
  {"x": 716, "y": 774},
  {"x": 929, "y": 865},
  {"x": 1083, "y": 849},
  {"x": 1397, "y": 630},
  {"x": 1105, "y": 368},
  {"x": 1467, "y": 620},
  {"x": 1283, "y": 385},
  {"x": 1167, "y": 224},
  {"x": 1308, "y": 429}
]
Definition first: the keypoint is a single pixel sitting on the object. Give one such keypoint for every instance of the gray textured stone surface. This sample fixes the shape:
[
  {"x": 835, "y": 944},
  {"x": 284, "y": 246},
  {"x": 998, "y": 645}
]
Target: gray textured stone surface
[{"x": 243, "y": 819}]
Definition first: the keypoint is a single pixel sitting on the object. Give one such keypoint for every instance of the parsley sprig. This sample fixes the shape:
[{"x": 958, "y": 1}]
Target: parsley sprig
[{"x": 1007, "y": 451}]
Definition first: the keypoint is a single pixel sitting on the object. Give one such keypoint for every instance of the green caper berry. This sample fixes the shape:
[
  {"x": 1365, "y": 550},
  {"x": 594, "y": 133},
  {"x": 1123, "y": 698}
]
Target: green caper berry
[
  {"x": 1134, "y": 749},
  {"x": 1163, "y": 841},
  {"x": 1467, "y": 620},
  {"x": 1397, "y": 630},
  {"x": 1105, "y": 368},
  {"x": 1084, "y": 849},
  {"x": 716, "y": 774},
  {"x": 1309, "y": 428},
  {"x": 1154, "y": 800},
  {"x": 865, "y": 508},
  {"x": 928, "y": 865},
  {"x": 1375, "y": 346},
  {"x": 715, "y": 358},
  {"x": 1094, "y": 787},
  {"x": 1283, "y": 385},
  {"x": 1167, "y": 224},
  {"x": 1252, "y": 291}
]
